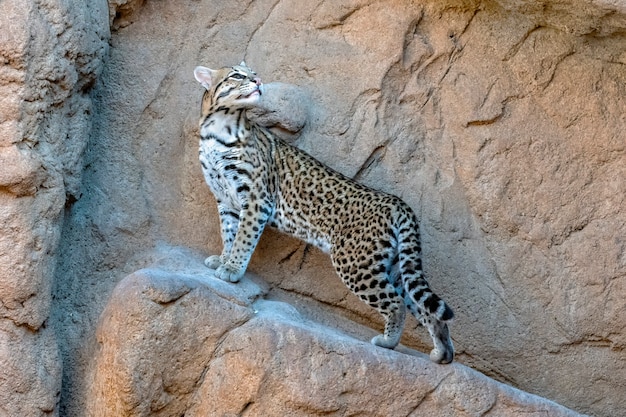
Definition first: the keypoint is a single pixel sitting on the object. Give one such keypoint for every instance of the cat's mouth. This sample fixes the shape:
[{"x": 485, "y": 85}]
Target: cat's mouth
[
  {"x": 253, "y": 93},
  {"x": 256, "y": 90}
]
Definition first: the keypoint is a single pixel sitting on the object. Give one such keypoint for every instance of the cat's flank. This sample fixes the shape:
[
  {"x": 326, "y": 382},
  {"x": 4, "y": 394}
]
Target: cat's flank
[{"x": 258, "y": 180}]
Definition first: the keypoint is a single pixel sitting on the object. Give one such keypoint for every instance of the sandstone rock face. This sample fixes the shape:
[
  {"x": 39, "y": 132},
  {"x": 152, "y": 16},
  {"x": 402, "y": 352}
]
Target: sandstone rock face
[
  {"x": 176, "y": 341},
  {"x": 50, "y": 55},
  {"x": 501, "y": 123}
]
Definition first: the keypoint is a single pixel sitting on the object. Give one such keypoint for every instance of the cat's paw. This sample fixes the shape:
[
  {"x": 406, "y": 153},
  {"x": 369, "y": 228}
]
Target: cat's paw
[
  {"x": 213, "y": 261},
  {"x": 385, "y": 342},
  {"x": 227, "y": 272},
  {"x": 442, "y": 356}
]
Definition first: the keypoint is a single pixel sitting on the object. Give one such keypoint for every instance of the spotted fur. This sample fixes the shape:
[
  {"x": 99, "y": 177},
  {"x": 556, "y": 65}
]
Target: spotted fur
[{"x": 259, "y": 180}]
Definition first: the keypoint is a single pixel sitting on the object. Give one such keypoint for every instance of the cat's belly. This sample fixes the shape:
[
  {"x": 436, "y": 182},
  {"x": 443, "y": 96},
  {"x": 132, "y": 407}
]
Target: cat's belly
[{"x": 297, "y": 230}]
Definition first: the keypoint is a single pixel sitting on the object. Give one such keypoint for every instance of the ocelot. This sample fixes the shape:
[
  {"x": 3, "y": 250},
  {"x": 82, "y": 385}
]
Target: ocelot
[{"x": 259, "y": 180}]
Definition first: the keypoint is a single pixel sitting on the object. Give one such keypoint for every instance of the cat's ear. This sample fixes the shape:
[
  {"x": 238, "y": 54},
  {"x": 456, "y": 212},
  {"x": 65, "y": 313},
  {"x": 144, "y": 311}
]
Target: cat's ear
[
  {"x": 243, "y": 64},
  {"x": 204, "y": 76}
]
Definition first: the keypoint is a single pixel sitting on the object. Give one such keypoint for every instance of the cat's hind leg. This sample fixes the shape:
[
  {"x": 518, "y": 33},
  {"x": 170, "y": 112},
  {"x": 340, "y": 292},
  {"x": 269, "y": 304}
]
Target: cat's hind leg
[{"x": 368, "y": 278}]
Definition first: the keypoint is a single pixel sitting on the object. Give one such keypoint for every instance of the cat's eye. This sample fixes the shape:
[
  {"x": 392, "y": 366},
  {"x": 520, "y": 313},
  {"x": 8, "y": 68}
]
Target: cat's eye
[{"x": 237, "y": 76}]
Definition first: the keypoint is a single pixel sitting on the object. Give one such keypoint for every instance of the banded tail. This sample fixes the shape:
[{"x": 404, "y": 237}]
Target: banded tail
[
  {"x": 429, "y": 309},
  {"x": 414, "y": 284}
]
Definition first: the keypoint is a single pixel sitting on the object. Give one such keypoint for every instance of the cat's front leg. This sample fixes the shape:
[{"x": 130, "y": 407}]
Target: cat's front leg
[
  {"x": 229, "y": 224},
  {"x": 251, "y": 227}
]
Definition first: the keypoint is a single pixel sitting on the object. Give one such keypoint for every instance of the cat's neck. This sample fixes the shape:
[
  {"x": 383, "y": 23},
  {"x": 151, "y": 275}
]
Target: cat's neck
[{"x": 230, "y": 125}]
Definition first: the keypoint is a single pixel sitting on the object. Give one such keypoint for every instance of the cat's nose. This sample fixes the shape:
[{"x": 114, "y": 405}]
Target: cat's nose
[{"x": 257, "y": 81}]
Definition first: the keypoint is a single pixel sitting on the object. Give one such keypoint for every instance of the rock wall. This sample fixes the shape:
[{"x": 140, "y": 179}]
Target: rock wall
[
  {"x": 50, "y": 55},
  {"x": 500, "y": 122}
]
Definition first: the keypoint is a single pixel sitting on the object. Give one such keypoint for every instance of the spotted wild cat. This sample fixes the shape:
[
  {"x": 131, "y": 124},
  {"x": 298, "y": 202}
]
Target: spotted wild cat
[{"x": 258, "y": 180}]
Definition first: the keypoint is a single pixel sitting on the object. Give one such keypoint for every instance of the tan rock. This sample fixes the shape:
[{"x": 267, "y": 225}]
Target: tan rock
[
  {"x": 174, "y": 340},
  {"x": 284, "y": 110},
  {"x": 30, "y": 371},
  {"x": 21, "y": 174},
  {"x": 500, "y": 123},
  {"x": 50, "y": 53},
  {"x": 152, "y": 366}
]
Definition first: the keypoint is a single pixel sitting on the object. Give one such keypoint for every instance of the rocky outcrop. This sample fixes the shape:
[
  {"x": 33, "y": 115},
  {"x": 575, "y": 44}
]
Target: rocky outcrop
[
  {"x": 176, "y": 341},
  {"x": 501, "y": 123},
  {"x": 50, "y": 55}
]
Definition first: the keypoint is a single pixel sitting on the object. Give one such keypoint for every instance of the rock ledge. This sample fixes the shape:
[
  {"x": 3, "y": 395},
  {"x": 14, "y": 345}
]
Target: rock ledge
[{"x": 174, "y": 340}]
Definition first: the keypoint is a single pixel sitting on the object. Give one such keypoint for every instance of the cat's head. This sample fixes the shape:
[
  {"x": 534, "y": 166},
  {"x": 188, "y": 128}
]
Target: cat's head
[{"x": 230, "y": 87}]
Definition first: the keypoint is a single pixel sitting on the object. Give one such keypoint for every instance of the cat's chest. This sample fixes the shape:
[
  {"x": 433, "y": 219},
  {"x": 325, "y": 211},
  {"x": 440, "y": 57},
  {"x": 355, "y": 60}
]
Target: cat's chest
[{"x": 217, "y": 162}]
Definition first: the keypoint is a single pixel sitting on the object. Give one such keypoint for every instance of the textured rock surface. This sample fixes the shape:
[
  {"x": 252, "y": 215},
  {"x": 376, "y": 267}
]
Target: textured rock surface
[
  {"x": 50, "y": 54},
  {"x": 223, "y": 351},
  {"x": 501, "y": 123}
]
